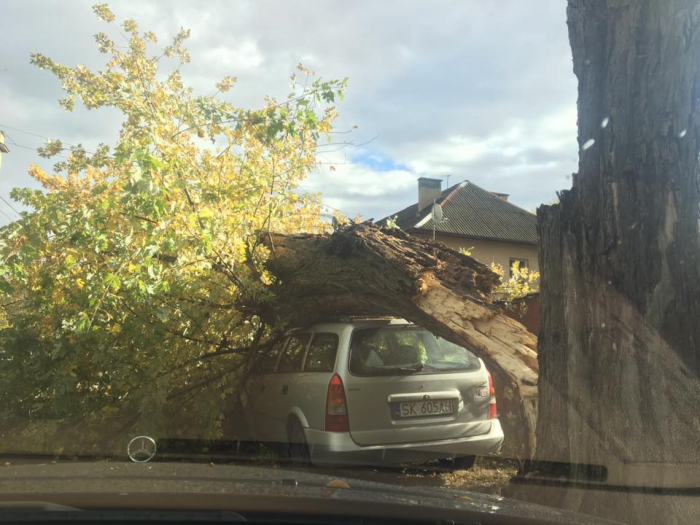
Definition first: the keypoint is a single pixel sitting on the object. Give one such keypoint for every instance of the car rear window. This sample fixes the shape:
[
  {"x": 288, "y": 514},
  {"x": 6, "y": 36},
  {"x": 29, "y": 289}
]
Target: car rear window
[
  {"x": 293, "y": 355},
  {"x": 322, "y": 352},
  {"x": 403, "y": 350}
]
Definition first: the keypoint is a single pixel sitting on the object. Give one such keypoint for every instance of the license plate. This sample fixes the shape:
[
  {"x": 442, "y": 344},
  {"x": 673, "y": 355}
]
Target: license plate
[{"x": 438, "y": 407}]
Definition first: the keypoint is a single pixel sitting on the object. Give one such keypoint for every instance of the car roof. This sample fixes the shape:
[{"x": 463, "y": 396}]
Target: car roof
[{"x": 354, "y": 322}]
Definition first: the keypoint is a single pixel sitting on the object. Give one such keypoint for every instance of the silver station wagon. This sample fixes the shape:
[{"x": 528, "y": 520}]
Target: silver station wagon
[{"x": 373, "y": 392}]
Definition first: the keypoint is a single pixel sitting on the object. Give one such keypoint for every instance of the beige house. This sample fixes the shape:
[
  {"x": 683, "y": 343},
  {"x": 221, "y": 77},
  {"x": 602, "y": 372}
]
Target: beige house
[{"x": 495, "y": 230}]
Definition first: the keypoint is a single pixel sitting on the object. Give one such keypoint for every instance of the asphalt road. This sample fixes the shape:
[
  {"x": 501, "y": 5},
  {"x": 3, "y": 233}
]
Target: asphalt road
[{"x": 487, "y": 476}]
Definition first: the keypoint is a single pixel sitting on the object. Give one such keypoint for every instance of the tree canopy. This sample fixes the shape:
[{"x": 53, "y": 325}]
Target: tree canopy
[{"x": 127, "y": 286}]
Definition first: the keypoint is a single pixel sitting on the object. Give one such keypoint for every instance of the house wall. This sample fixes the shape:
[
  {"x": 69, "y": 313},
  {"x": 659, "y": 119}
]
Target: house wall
[
  {"x": 527, "y": 312},
  {"x": 491, "y": 251}
]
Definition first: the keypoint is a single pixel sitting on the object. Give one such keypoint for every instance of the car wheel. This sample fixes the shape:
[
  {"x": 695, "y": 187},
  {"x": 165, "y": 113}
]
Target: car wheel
[
  {"x": 298, "y": 448},
  {"x": 460, "y": 463}
]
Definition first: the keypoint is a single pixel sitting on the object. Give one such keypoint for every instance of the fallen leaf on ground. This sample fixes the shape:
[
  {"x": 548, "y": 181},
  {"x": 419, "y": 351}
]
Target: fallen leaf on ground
[{"x": 337, "y": 484}]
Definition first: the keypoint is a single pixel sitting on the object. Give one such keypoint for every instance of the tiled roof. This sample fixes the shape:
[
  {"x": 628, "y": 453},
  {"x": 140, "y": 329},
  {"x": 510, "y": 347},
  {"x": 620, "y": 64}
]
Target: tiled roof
[{"x": 473, "y": 212}]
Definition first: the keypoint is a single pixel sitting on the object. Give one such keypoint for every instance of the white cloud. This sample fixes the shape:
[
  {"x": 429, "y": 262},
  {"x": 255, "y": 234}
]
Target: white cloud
[
  {"x": 474, "y": 90},
  {"x": 541, "y": 151},
  {"x": 244, "y": 56},
  {"x": 359, "y": 188}
]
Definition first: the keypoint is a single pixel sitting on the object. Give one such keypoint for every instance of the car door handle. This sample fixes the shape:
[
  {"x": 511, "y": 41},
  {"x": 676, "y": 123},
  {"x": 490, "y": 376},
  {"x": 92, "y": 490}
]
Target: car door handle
[{"x": 285, "y": 389}]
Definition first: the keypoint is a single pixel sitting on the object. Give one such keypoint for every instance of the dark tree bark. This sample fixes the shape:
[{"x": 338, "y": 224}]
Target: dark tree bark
[
  {"x": 363, "y": 270},
  {"x": 619, "y": 348}
]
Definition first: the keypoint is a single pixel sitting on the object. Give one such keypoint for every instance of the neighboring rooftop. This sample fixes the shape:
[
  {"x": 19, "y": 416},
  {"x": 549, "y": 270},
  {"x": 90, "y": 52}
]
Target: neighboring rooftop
[{"x": 470, "y": 211}]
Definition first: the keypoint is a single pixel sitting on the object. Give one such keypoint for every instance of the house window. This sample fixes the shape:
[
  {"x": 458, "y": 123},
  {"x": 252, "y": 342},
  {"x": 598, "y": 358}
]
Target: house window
[{"x": 521, "y": 263}]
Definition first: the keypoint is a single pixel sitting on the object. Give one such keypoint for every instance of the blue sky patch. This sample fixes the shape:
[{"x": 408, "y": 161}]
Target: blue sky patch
[{"x": 378, "y": 162}]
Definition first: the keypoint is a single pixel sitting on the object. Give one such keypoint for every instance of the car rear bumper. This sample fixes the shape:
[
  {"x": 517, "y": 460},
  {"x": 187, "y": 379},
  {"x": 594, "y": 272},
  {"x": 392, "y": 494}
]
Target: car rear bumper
[{"x": 338, "y": 448}]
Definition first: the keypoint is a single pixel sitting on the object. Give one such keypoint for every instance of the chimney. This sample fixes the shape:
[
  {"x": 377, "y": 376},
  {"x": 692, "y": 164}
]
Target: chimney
[
  {"x": 502, "y": 196},
  {"x": 429, "y": 190}
]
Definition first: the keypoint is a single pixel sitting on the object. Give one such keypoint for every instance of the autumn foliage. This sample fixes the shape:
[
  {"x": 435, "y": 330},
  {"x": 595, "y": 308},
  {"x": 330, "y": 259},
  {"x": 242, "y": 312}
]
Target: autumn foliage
[{"x": 126, "y": 289}]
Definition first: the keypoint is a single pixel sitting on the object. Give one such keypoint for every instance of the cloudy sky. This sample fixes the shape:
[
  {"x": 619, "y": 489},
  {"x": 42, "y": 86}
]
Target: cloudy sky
[{"x": 470, "y": 89}]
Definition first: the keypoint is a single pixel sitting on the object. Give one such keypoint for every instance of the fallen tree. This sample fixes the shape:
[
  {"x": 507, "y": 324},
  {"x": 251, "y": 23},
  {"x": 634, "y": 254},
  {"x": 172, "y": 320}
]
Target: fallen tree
[{"x": 362, "y": 270}]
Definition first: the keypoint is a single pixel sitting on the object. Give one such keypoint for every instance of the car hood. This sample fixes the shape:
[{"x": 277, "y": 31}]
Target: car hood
[{"x": 246, "y": 489}]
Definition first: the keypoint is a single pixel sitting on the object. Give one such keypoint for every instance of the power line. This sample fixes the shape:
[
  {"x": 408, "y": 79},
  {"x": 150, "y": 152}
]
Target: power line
[
  {"x": 3, "y": 198},
  {"x": 15, "y": 143},
  {"x": 4, "y": 126},
  {"x": 6, "y": 215},
  {"x": 10, "y": 205},
  {"x": 336, "y": 209}
]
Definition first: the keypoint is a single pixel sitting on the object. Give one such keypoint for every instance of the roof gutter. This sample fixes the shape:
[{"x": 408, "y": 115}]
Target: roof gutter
[{"x": 417, "y": 229}]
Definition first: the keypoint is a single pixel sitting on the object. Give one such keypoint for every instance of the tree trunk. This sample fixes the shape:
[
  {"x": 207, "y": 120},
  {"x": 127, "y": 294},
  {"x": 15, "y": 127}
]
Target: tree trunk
[
  {"x": 619, "y": 348},
  {"x": 367, "y": 271}
]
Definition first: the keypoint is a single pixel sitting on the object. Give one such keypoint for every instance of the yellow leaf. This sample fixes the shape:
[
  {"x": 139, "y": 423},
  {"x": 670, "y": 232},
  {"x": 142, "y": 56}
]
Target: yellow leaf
[{"x": 337, "y": 484}]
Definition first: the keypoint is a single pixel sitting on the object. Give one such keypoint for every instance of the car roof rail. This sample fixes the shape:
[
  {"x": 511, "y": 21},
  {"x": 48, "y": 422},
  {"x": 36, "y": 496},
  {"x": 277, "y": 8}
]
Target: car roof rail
[{"x": 351, "y": 318}]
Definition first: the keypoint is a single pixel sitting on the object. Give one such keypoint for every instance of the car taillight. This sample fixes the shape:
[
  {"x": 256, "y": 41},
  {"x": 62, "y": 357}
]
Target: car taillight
[
  {"x": 492, "y": 398},
  {"x": 336, "y": 407}
]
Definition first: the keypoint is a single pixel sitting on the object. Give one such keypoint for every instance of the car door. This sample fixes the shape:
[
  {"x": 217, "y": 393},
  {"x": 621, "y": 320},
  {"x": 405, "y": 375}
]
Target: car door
[
  {"x": 260, "y": 402},
  {"x": 282, "y": 387}
]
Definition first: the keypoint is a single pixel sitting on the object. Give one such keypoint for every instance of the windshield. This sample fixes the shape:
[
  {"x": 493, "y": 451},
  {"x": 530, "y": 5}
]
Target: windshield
[
  {"x": 387, "y": 351},
  {"x": 426, "y": 254}
]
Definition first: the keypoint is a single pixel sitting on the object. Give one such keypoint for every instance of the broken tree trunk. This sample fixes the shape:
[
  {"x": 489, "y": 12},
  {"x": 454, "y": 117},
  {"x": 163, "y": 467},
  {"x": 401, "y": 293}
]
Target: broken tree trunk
[
  {"x": 363, "y": 270},
  {"x": 619, "y": 348}
]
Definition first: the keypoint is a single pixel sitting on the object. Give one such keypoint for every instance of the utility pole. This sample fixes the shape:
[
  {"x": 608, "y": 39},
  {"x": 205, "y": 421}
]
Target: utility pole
[{"x": 3, "y": 147}]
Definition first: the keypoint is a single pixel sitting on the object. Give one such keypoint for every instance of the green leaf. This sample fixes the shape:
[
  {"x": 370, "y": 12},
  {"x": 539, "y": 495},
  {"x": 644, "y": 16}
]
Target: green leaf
[
  {"x": 135, "y": 174},
  {"x": 162, "y": 314}
]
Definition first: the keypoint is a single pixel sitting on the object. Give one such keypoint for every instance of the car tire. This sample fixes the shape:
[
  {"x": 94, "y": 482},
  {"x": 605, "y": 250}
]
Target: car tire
[
  {"x": 459, "y": 463},
  {"x": 297, "y": 446}
]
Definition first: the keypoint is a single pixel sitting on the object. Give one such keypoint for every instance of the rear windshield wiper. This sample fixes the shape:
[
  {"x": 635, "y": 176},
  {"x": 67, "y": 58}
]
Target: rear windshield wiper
[{"x": 414, "y": 368}]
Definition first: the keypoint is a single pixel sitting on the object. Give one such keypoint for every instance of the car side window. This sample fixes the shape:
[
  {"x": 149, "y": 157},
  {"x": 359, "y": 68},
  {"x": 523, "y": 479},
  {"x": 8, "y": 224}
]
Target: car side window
[
  {"x": 322, "y": 352},
  {"x": 293, "y": 355},
  {"x": 268, "y": 361}
]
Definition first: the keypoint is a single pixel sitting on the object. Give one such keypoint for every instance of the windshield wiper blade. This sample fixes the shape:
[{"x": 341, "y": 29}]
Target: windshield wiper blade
[
  {"x": 18, "y": 506},
  {"x": 415, "y": 368}
]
